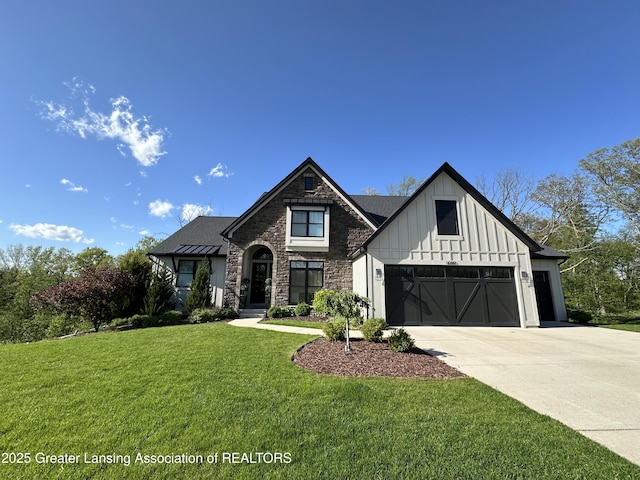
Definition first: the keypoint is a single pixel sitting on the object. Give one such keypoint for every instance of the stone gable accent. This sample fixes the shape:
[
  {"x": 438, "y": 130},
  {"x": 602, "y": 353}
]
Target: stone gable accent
[{"x": 268, "y": 226}]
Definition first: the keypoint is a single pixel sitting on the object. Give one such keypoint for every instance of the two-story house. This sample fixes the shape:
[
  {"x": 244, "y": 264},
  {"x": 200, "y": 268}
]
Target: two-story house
[{"x": 443, "y": 256}]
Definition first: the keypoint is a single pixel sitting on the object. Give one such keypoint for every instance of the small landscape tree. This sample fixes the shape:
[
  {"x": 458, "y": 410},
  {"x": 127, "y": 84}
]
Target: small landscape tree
[
  {"x": 200, "y": 295},
  {"x": 140, "y": 267},
  {"x": 348, "y": 305},
  {"x": 158, "y": 297},
  {"x": 97, "y": 295}
]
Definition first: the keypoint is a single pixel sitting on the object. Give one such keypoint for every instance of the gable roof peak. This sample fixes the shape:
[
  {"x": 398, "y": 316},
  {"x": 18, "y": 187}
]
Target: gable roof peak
[
  {"x": 471, "y": 190},
  {"x": 295, "y": 173}
]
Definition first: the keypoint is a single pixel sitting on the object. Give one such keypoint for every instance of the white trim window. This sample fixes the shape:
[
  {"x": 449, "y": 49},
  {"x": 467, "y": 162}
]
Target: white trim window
[
  {"x": 307, "y": 223},
  {"x": 307, "y": 228},
  {"x": 447, "y": 217}
]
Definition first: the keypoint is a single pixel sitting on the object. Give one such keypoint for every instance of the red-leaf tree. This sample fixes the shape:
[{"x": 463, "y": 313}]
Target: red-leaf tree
[{"x": 97, "y": 295}]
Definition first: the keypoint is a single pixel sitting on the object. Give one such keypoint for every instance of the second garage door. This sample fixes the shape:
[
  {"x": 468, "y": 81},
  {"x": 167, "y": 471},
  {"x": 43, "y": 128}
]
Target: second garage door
[{"x": 434, "y": 295}]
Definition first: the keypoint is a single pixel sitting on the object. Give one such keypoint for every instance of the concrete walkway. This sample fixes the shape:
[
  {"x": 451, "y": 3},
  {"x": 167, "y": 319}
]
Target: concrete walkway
[
  {"x": 253, "y": 322},
  {"x": 588, "y": 378}
]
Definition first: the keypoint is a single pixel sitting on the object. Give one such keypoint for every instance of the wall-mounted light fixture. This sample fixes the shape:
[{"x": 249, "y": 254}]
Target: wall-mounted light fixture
[{"x": 378, "y": 274}]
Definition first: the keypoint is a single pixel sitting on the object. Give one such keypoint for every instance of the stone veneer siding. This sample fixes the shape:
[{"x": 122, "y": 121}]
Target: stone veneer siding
[{"x": 268, "y": 227}]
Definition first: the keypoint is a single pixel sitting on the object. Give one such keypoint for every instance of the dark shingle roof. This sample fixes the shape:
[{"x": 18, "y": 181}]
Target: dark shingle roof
[
  {"x": 548, "y": 252},
  {"x": 199, "y": 237},
  {"x": 379, "y": 207}
]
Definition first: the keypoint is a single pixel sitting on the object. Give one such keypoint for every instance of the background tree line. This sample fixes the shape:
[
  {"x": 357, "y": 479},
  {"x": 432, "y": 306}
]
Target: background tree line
[
  {"x": 592, "y": 215},
  {"x": 48, "y": 292}
]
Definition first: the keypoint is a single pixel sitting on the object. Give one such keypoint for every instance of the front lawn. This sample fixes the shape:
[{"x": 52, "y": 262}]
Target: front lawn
[
  {"x": 623, "y": 326},
  {"x": 293, "y": 322},
  {"x": 210, "y": 389}
]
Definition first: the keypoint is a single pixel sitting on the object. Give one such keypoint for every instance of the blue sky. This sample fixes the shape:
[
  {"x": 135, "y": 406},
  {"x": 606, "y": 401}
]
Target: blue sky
[{"x": 117, "y": 116}]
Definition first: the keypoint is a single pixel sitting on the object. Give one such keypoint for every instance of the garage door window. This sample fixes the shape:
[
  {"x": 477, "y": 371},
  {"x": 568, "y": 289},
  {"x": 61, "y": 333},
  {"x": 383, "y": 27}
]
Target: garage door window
[
  {"x": 495, "y": 272},
  {"x": 430, "y": 272},
  {"x": 401, "y": 271},
  {"x": 463, "y": 272}
]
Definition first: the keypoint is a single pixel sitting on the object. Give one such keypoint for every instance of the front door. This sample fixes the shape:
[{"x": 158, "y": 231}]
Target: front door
[{"x": 259, "y": 274}]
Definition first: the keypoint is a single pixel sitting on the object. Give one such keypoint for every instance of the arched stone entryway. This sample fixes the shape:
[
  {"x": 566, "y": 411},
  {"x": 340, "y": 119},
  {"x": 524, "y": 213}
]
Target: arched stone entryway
[{"x": 258, "y": 269}]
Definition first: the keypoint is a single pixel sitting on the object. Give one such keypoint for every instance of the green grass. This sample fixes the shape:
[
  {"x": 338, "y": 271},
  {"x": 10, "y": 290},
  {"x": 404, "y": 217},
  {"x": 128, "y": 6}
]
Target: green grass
[
  {"x": 622, "y": 326},
  {"x": 295, "y": 323},
  {"x": 629, "y": 321},
  {"x": 202, "y": 389}
]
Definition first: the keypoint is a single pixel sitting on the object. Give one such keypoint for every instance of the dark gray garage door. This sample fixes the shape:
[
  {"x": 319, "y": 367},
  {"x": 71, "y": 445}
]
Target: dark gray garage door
[{"x": 419, "y": 295}]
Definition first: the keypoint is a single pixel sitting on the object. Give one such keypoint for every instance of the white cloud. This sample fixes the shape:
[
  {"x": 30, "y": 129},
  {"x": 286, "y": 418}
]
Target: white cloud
[
  {"x": 191, "y": 211},
  {"x": 198, "y": 179},
  {"x": 159, "y": 208},
  {"x": 135, "y": 133},
  {"x": 144, "y": 233},
  {"x": 72, "y": 187},
  {"x": 49, "y": 231},
  {"x": 219, "y": 171}
]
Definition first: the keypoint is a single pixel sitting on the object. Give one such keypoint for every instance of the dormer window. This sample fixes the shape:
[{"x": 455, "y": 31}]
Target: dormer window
[
  {"x": 308, "y": 224},
  {"x": 308, "y": 183}
]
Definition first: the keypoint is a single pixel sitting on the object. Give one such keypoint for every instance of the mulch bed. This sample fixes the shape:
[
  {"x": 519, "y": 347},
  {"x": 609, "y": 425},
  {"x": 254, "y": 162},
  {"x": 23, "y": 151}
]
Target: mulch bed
[{"x": 369, "y": 359}]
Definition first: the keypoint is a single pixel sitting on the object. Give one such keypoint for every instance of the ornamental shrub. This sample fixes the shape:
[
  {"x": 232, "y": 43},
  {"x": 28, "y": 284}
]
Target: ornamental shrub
[
  {"x": 60, "y": 325},
  {"x": 323, "y": 302},
  {"x": 372, "y": 329},
  {"x": 302, "y": 310},
  {"x": 228, "y": 313},
  {"x": 579, "y": 316},
  {"x": 173, "y": 317},
  {"x": 276, "y": 311},
  {"x": 335, "y": 329},
  {"x": 35, "y": 328},
  {"x": 203, "y": 315},
  {"x": 400, "y": 341},
  {"x": 140, "y": 320}
]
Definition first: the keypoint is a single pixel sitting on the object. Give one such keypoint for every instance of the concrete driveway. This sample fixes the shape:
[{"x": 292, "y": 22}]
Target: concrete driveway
[{"x": 586, "y": 377}]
